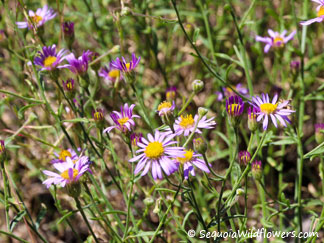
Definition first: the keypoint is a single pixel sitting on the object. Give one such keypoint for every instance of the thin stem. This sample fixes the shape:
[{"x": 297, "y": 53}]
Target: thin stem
[
  {"x": 165, "y": 214},
  {"x": 187, "y": 103},
  {"x": 5, "y": 188},
  {"x": 85, "y": 218}
]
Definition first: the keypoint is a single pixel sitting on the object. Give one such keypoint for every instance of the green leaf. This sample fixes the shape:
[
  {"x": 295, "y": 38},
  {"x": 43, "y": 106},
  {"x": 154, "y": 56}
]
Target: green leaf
[
  {"x": 319, "y": 150},
  {"x": 76, "y": 120},
  {"x": 22, "y": 110},
  {"x": 16, "y": 219}
]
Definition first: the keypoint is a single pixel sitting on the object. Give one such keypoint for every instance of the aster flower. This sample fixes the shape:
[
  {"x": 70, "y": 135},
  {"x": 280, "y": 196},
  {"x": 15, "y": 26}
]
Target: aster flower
[
  {"x": 61, "y": 157},
  {"x": 165, "y": 108},
  {"x": 156, "y": 152},
  {"x": 228, "y": 92},
  {"x": 276, "y": 39},
  {"x": 78, "y": 65},
  {"x": 48, "y": 59},
  {"x": 244, "y": 157},
  {"x": 171, "y": 93},
  {"x": 110, "y": 74},
  {"x": 190, "y": 161},
  {"x": 234, "y": 106},
  {"x": 124, "y": 66},
  {"x": 69, "y": 172},
  {"x": 186, "y": 124},
  {"x": 276, "y": 110},
  {"x": 320, "y": 13},
  {"x": 38, "y": 18},
  {"x": 124, "y": 120}
]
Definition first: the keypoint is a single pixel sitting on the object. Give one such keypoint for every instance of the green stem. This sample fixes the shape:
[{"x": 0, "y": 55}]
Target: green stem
[
  {"x": 165, "y": 214},
  {"x": 5, "y": 188},
  {"x": 78, "y": 204},
  {"x": 187, "y": 103}
]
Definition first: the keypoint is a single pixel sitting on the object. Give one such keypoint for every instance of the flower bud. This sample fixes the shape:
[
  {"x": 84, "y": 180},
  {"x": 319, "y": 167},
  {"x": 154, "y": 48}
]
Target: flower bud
[
  {"x": 69, "y": 89},
  {"x": 294, "y": 67},
  {"x": 197, "y": 86},
  {"x": 136, "y": 138},
  {"x": 200, "y": 145},
  {"x": 171, "y": 93},
  {"x": 202, "y": 111},
  {"x": 3, "y": 38},
  {"x": 257, "y": 170},
  {"x": 148, "y": 201},
  {"x": 244, "y": 157},
  {"x": 319, "y": 133},
  {"x": 157, "y": 207},
  {"x": 2, "y": 152},
  {"x": 252, "y": 122},
  {"x": 68, "y": 31},
  {"x": 234, "y": 109}
]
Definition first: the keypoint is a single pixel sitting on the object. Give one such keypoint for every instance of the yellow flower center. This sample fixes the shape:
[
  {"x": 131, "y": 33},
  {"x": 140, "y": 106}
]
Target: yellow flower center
[
  {"x": 268, "y": 108},
  {"x": 320, "y": 11},
  {"x": 69, "y": 86},
  {"x": 278, "y": 39},
  {"x": 2, "y": 148},
  {"x": 127, "y": 66},
  {"x": 98, "y": 115},
  {"x": 65, "y": 174},
  {"x": 164, "y": 104},
  {"x": 49, "y": 61},
  {"x": 170, "y": 95},
  {"x": 114, "y": 73},
  {"x": 187, "y": 157},
  {"x": 36, "y": 19},
  {"x": 252, "y": 116},
  {"x": 154, "y": 150},
  {"x": 64, "y": 154},
  {"x": 123, "y": 120},
  {"x": 187, "y": 121},
  {"x": 232, "y": 108}
]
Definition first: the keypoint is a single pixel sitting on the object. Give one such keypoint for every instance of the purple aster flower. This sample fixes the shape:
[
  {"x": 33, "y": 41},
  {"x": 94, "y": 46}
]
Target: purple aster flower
[
  {"x": 124, "y": 120},
  {"x": 320, "y": 13},
  {"x": 110, "y": 74},
  {"x": 39, "y": 18},
  {"x": 190, "y": 160},
  {"x": 276, "y": 39},
  {"x": 61, "y": 157},
  {"x": 136, "y": 138},
  {"x": 228, "y": 92},
  {"x": 68, "y": 29},
  {"x": 124, "y": 66},
  {"x": 166, "y": 108},
  {"x": 276, "y": 110},
  {"x": 69, "y": 171},
  {"x": 48, "y": 59},
  {"x": 78, "y": 65},
  {"x": 157, "y": 152},
  {"x": 234, "y": 106},
  {"x": 171, "y": 93},
  {"x": 244, "y": 157},
  {"x": 186, "y": 124}
]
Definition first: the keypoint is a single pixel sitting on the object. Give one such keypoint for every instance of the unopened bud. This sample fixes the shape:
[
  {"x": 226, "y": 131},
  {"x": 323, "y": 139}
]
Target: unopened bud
[
  {"x": 252, "y": 122},
  {"x": 200, "y": 145},
  {"x": 148, "y": 201},
  {"x": 202, "y": 111},
  {"x": 244, "y": 157},
  {"x": 257, "y": 170},
  {"x": 319, "y": 133},
  {"x": 2, "y": 151},
  {"x": 197, "y": 86}
]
